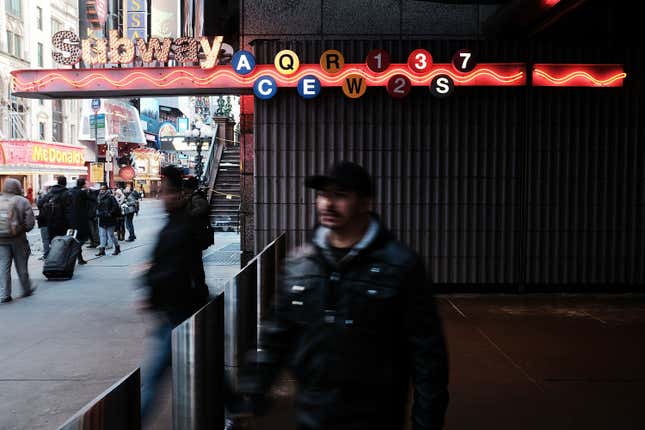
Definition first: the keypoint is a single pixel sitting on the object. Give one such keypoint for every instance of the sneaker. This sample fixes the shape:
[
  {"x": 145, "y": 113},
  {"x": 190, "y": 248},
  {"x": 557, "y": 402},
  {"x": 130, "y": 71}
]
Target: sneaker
[{"x": 6, "y": 300}]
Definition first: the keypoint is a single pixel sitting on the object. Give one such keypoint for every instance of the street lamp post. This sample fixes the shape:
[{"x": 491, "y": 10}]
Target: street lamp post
[{"x": 199, "y": 134}]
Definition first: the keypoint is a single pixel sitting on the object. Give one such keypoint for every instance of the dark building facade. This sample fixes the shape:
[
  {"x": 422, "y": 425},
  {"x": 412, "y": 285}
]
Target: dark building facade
[{"x": 499, "y": 189}]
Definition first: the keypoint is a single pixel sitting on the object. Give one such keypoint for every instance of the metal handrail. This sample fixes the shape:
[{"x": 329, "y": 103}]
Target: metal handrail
[
  {"x": 211, "y": 345},
  {"x": 117, "y": 408},
  {"x": 197, "y": 363}
]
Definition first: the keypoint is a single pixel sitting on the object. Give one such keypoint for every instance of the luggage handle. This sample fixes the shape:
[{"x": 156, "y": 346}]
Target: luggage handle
[{"x": 72, "y": 232}]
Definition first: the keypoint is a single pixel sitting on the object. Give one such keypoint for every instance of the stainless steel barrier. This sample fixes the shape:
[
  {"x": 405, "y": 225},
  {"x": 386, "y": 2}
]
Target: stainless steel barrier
[
  {"x": 269, "y": 264},
  {"x": 118, "y": 408},
  {"x": 240, "y": 318},
  {"x": 197, "y": 369}
]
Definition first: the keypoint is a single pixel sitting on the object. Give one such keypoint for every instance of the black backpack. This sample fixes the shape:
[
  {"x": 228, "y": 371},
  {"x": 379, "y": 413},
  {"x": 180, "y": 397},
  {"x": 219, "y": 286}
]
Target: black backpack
[
  {"x": 204, "y": 231},
  {"x": 53, "y": 210}
]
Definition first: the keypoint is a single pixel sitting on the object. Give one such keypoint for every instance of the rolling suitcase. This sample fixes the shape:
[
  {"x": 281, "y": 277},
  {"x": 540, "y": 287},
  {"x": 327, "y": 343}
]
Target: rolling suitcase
[{"x": 63, "y": 253}]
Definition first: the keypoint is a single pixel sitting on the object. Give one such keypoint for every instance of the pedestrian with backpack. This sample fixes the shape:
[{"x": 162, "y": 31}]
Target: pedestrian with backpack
[
  {"x": 57, "y": 208},
  {"x": 16, "y": 219},
  {"x": 108, "y": 210}
]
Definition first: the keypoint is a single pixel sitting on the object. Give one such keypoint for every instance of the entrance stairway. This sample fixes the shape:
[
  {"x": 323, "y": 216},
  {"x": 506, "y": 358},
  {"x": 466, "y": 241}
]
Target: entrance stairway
[{"x": 225, "y": 199}]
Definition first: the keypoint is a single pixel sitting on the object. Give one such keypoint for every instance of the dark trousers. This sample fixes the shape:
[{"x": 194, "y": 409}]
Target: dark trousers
[
  {"x": 94, "y": 232},
  {"x": 130, "y": 225}
]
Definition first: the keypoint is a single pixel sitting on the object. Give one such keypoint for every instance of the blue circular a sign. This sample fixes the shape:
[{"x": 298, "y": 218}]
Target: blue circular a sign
[
  {"x": 265, "y": 87},
  {"x": 308, "y": 87},
  {"x": 96, "y": 104},
  {"x": 243, "y": 62}
]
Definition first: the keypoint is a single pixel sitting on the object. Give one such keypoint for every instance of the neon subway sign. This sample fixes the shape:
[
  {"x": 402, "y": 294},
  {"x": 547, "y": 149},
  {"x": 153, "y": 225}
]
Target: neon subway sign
[{"x": 243, "y": 75}]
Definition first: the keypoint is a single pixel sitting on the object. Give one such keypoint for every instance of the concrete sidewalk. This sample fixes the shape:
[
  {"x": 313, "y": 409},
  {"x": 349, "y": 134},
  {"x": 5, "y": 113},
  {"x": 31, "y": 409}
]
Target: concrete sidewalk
[
  {"x": 536, "y": 362},
  {"x": 70, "y": 341}
]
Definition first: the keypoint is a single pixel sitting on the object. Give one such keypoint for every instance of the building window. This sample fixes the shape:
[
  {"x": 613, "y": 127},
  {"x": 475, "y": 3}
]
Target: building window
[
  {"x": 39, "y": 17},
  {"x": 17, "y": 46},
  {"x": 41, "y": 131},
  {"x": 41, "y": 102},
  {"x": 14, "y": 7},
  {"x": 17, "y": 117},
  {"x": 57, "y": 123},
  {"x": 9, "y": 42},
  {"x": 41, "y": 59},
  {"x": 72, "y": 133},
  {"x": 14, "y": 44},
  {"x": 56, "y": 26}
]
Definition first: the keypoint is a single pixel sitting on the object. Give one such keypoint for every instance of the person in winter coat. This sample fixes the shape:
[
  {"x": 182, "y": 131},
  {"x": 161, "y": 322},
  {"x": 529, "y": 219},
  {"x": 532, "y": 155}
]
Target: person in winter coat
[
  {"x": 42, "y": 224},
  {"x": 80, "y": 204},
  {"x": 107, "y": 212},
  {"x": 92, "y": 222},
  {"x": 357, "y": 322},
  {"x": 18, "y": 219},
  {"x": 172, "y": 290},
  {"x": 120, "y": 220},
  {"x": 57, "y": 206},
  {"x": 131, "y": 209}
]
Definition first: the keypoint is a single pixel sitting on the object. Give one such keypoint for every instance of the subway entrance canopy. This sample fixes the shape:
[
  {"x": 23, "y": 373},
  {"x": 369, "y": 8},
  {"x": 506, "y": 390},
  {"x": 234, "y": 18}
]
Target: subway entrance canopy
[{"x": 242, "y": 75}]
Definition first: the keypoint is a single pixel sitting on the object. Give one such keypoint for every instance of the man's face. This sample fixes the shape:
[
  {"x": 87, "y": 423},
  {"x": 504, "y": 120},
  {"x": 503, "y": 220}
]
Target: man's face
[
  {"x": 171, "y": 197},
  {"x": 338, "y": 208}
]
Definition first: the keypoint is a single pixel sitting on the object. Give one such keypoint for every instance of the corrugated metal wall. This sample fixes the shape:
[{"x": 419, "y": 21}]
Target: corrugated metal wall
[{"x": 496, "y": 187}]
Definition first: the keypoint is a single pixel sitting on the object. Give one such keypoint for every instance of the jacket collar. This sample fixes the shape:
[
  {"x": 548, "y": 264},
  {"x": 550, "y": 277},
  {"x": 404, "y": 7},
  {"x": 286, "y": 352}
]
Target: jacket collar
[{"x": 321, "y": 234}]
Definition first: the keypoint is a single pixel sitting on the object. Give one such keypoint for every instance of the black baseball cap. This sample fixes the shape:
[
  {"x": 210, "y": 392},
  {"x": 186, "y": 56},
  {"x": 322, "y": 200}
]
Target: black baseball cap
[{"x": 345, "y": 175}]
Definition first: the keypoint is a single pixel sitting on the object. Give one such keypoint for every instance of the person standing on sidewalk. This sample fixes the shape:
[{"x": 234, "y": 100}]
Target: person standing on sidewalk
[
  {"x": 80, "y": 204},
  {"x": 107, "y": 212},
  {"x": 173, "y": 291},
  {"x": 131, "y": 209},
  {"x": 93, "y": 224},
  {"x": 16, "y": 219},
  {"x": 357, "y": 321},
  {"x": 57, "y": 207},
  {"x": 42, "y": 224},
  {"x": 120, "y": 219}
]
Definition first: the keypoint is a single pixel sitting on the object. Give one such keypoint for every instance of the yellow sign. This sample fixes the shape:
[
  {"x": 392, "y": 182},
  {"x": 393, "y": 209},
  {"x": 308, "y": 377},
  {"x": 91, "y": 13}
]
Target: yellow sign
[
  {"x": 46, "y": 155},
  {"x": 97, "y": 172},
  {"x": 286, "y": 62}
]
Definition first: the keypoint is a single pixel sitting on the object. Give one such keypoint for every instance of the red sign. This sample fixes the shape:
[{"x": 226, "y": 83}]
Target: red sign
[
  {"x": 127, "y": 173},
  {"x": 26, "y": 152}
]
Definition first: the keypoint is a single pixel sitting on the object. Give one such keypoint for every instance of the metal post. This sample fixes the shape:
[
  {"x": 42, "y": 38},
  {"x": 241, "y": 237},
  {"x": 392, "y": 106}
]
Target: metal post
[
  {"x": 240, "y": 325},
  {"x": 198, "y": 159},
  {"x": 118, "y": 408},
  {"x": 198, "y": 369}
]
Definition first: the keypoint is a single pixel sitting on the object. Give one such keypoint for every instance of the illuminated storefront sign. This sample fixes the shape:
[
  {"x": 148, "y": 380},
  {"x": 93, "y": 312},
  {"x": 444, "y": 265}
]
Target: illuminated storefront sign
[
  {"x": 122, "y": 50},
  {"x": 25, "y": 153},
  {"x": 244, "y": 75}
]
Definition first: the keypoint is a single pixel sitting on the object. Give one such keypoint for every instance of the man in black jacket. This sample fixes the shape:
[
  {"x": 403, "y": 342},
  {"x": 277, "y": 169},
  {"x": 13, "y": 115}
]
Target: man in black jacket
[
  {"x": 79, "y": 218},
  {"x": 357, "y": 322},
  {"x": 57, "y": 207},
  {"x": 174, "y": 290}
]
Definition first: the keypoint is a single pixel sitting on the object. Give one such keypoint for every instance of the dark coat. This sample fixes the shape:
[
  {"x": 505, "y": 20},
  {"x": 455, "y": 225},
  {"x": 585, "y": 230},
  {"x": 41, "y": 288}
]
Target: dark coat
[
  {"x": 79, "y": 222},
  {"x": 107, "y": 210},
  {"x": 92, "y": 203},
  {"x": 41, "y": 218},
  {"x": 61, "y": 221},
  {"x": 355, "y": 334},
  {"x": 173, "y": 282}
]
